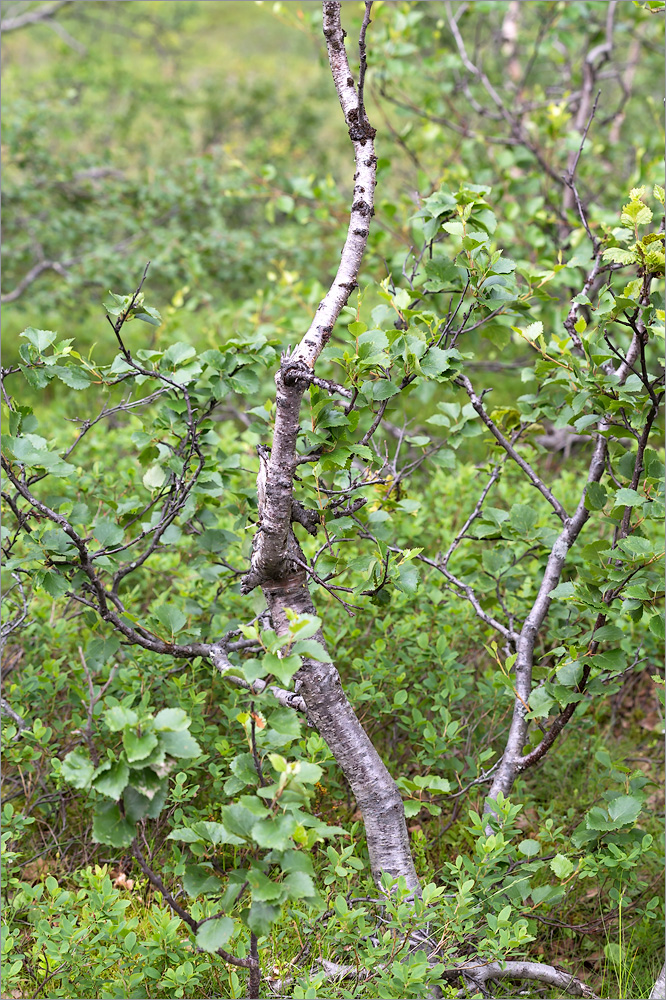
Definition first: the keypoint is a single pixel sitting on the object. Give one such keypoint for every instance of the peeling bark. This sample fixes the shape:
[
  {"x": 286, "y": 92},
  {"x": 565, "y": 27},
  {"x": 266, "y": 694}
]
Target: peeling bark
[{"x": 277, "y": 560}]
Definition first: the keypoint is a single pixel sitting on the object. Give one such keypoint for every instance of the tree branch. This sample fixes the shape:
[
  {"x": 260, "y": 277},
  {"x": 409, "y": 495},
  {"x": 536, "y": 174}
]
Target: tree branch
[{"x": 43, "y": 13}]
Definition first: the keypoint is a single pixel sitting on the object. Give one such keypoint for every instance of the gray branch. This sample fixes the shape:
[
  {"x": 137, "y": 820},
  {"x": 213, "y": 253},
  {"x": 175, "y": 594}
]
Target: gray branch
[
  {"x": 511, "y": 763},
  {"x": 43, "y": 13},
  {"x": 510, "y": 450}
]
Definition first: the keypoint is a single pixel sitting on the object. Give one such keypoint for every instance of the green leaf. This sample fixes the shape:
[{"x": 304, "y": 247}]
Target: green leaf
[
  {"x": 261, "y": 917},
  {"x": 628, "y": 498},
  {"x": 311, "y": 648},
  {"x": 371, "y": 343},
  {"x": 595, "y": 496},
  {"x": 274, "y": 833},
  {"x": 215, "y": 933},
  {"x": 263, "y": 889},
  {"x": 111, "y": 779},
  {"x": 41, "y": 339},
  {"x": 304, "y": 626},
  {"x": 54, "y": 584},
  {"x": 299, "y": 885},
  {"x": 215, "y": 833},
  {"x": 138, "y": 747},
  {"x": 541, "y": 702},
  {"x": 441, "y": 274},
  {"x": 382, "y": 389},
  {"x": 561, "y": 866},
  {"x": 107, "y": 532},
  {"x": 199, "y": 879},
  {"x": 38, "y": 378},
  {"x": 110, "y": 828},
  {"x": 308, "y": 773},
  {"x": 238, "y": 820},
  {"x": 172, "y": 618},
  {"x": 149, "y": 315},
  {"x": 177, "y": 353},
  {"x": 172, "y": 720},
  {"x": 408, "y": 578},
  {"x": 656, "y": 626},
  {"x": 563, "y": 590},
  {"x": 523, "y": 518},
  {"x": 532, "y": 331},
  {"x": 186, "y": 835},
  {"x": 117, "y": 718},
  {"x": 180, "y": 744},
  {"x": 77, "y": 769},
  {"x": 436, "y": 361},
  {"x": 139, "y": 806},
  {"x": 624, "y": 809},
  {"x": 636, "y": 548},
  {"x": 154, "y": 477},
  {"x": 282, "y": 668},
  {"x": 75, "y": 378},
  {"x": 530, "y": 848}
]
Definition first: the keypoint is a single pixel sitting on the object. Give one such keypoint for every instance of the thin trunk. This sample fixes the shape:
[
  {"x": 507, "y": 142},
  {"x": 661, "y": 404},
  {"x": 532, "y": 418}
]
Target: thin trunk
[
  {"x": 329, "y": 710},
  {"x": 512, "y": 758},
  {"x": 276, "y": 557}
]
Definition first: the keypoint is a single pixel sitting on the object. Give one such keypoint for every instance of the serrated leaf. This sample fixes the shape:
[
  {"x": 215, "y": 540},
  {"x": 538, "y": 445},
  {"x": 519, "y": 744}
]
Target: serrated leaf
[
  {"x": 595, "y": 496},
  {"x": 177, "y": 353},
  {"x": 533, "y": 331},
  {"x": 75, "y": 378},
  {"x": 172, "y": 720},
  {"x": 628, "y": 498},
  {"x": 624, "y": 809},
  {"x": 436, "y": 361},
  {"x": 263, "y": 888},
  {"x": 77, "y": 769},
  {"x": 312, "y": 649},
  {"x": 561, "y": 866},
  {"x": 274, "y": 833},
  {"x": 172, "y": 618},
  {"x": 117, "y": 718},
  {"x": 238, "y": 820},
  {"x": 111, "y": 779},
  {"x": 656, "y": 626},
  {"x": 441, "y": 274},
  {"x": 154, "y": 477},
  {"x": 215, "y": 933},
  {"x": 541, "y": 702},
  {"x": 407, "y": 579},
  {"x": 109, "y": 827},
  {"x": 180, "y": 744},
  {"x": 198, "y": 880},
  {"x": 138, "y": 747},
  {"x": 282, "y": 668},
  {"x": 107, "y": 532},
  {"x": 299, "y": 885},
  {"x": 261, "y": 917},
  {"x": 523, "y": 518},
  {"x": 139, "y": 806},
  {"x": 41, "y": 339},
  {"x": 383, "y": 389}
]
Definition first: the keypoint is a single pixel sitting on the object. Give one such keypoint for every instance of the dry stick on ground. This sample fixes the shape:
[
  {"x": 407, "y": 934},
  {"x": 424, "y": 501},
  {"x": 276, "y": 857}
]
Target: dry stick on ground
[{"x": 277, "y": 560}]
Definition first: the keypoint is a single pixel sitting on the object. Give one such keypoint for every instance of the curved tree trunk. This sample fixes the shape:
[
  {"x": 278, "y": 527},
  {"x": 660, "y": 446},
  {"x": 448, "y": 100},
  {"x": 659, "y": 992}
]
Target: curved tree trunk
[{"x": 277, "y": 560}]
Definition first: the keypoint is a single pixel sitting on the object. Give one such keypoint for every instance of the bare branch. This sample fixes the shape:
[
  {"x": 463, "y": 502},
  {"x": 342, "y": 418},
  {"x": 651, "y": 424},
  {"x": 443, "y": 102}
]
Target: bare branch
[
  {"x": 510, "y": 450},
  {"x": 43, "y": 13},
  {"x": 60, "y": 267}
]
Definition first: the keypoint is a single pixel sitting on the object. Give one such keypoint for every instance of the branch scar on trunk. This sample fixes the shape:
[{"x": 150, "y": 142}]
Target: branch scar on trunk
[{"x": 278, "y": 564}]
